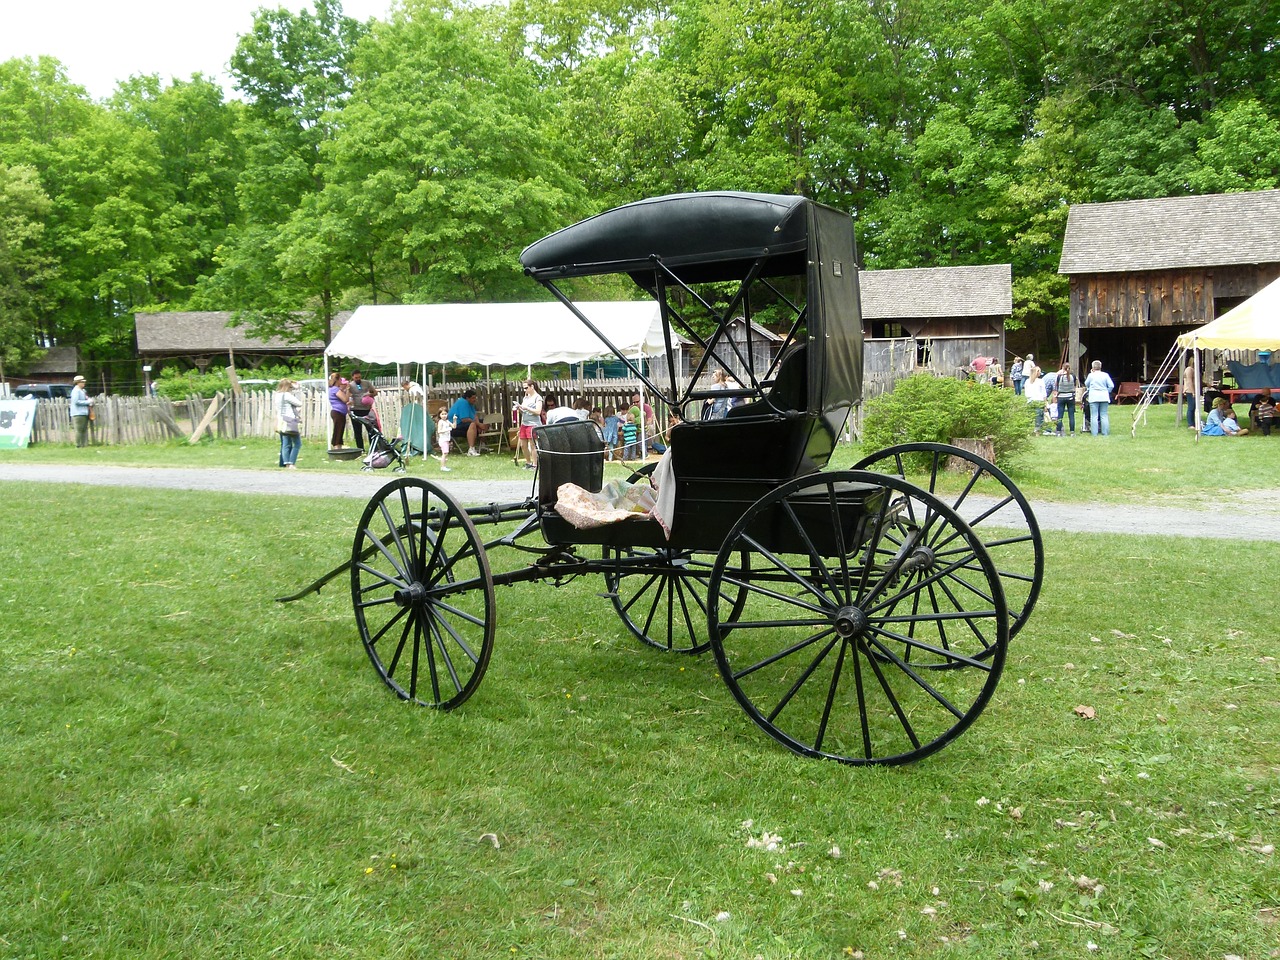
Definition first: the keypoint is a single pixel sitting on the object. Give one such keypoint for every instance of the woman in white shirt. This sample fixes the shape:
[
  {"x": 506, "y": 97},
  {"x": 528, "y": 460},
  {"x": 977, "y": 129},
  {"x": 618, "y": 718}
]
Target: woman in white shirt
[{"x": 1033, "y": 388}]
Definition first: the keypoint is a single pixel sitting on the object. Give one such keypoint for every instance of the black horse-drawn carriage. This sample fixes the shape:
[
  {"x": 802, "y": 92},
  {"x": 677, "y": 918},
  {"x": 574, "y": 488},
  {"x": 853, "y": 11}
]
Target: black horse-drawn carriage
[{"x": 853, "y": 614}]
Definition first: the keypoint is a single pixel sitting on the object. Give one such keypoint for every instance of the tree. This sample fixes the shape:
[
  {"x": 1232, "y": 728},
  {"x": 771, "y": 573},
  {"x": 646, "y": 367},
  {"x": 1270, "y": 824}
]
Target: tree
[
  {"x": 200, "y": 163},
  {"x": 294, "y": 69},
  {"x": 442, "y": 169},
  {"x": 26, "y": 267}
]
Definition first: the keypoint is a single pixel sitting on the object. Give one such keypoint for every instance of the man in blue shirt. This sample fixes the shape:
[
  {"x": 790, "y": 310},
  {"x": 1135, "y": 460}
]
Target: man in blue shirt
[{"x": 466, "y": 421}]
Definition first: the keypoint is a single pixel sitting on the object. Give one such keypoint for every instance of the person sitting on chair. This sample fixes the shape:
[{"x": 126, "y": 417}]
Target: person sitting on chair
[{"x": 465, "y": 420}]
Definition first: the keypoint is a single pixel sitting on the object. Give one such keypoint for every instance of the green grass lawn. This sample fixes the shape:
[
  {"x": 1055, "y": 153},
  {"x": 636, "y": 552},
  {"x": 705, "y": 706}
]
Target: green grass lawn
[{"x": 194, "y": 770}]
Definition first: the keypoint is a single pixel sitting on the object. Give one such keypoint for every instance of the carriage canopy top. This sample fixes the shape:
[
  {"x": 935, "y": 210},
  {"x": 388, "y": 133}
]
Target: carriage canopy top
[
  {"x": 703, "y": 236},
  {"x": 697, "y": 238}
]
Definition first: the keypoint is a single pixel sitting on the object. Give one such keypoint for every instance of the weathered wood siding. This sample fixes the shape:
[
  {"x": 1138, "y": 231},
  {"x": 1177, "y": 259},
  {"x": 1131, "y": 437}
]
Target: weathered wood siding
[
  {"x": 887, "y": 360},
  {"x": 1161, "y": 298}
]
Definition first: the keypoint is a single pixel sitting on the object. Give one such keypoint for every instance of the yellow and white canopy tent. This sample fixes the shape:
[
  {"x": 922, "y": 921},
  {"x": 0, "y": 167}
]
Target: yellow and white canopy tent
[{"x": 1253, "y": 325}]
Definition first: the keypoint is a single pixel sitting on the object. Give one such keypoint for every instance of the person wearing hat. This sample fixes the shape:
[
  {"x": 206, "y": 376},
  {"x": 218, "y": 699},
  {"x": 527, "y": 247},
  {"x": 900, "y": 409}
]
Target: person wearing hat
[
  {"x": 465, "y": 420},
  {"x": 81, "y": 404}
]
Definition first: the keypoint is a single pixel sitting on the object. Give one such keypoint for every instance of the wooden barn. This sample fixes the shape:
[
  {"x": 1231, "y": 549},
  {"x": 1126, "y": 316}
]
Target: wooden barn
[
  {"x": 1144, "y": 271},
  {"x": 202, "y": 339},
  {"x": 932, "y": 318},
  {"x": 58, "y": 365},
  {"x": 749, "y": 341}
]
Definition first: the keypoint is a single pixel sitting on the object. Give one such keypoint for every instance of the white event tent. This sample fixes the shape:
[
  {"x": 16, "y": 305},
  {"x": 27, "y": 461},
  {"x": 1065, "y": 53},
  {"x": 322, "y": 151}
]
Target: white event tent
[
  {"x": 497, "y": 333},
  {"x": 1253, "y": 325}
]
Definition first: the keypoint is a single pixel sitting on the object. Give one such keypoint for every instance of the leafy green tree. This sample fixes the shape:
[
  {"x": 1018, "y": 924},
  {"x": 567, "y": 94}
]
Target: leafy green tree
[
  {"x": 26, "y": 267},
  {"x": 100, "y": 176},
  {"x": 1239, "y": 150},
  {"x": 441, "y": 168},
  {"x": 294, "y": 70},
  {"x": 200, "y": 163}
]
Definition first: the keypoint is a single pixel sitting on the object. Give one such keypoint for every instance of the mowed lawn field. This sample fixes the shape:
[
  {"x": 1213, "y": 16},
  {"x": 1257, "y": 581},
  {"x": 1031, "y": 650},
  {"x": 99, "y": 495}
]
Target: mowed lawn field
[{"x": 195, "y": 770}]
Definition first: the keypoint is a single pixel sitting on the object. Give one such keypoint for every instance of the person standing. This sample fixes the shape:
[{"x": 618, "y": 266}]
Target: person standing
[
  {"x": 1098, "y": 387},
  {"x": 1064, "y": 388},
  {"x": 1189, "y": 392},
  {"x": 339, "y": 398},
  {"x": 1017, "y": 375},
  {"x": 289, "y": 414},
  {"x": 1034, "y": 391},
  {"x": 357, "y": 388},
  {"x": 445, "y": 426},
  {"x": 81, "y": 405},
  {"x": 530, "y": 409},
  {"x": 631, "y": 435}
]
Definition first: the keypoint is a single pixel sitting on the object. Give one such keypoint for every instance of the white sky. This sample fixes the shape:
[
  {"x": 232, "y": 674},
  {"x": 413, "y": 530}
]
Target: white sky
[{"x": 101, "y": 42}]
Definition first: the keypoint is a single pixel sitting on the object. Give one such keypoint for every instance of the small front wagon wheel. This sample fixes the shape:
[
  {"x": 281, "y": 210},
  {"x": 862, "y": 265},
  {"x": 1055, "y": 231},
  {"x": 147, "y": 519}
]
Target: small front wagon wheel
[
  {"x": 423, "y": 593},
  {"x": 874, "y": 626}
]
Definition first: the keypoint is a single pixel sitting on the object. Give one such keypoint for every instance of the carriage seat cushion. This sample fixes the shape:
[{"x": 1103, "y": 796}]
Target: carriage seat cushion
[
  {"x": 790, "y": 390},
  {"x": 571, "y": 451}
]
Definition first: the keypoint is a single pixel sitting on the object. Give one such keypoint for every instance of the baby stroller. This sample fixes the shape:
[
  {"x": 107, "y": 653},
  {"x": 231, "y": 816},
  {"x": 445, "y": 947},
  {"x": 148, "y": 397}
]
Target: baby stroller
[{"x": 382, "y": 452}]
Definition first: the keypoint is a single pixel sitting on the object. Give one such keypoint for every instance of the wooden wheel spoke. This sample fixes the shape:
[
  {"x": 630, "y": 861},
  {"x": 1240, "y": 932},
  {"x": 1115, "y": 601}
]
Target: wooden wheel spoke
[
  {"x": 782, "y": 654},
  {"x": 815, "y": 560},
  {"x": 754, "y": 588},
  {"x": 920, "y": 681},
  {"x": 785, "y": 569},
  {"x": 945, "y": 652},
  {"x": 894, "y": 705},
  {"x": 801, "y": 680},
  {"x": 832, "y": 686}
]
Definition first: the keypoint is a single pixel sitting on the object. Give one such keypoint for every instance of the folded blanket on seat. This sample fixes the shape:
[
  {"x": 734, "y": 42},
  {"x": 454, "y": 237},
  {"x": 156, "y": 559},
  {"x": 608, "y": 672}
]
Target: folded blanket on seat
[{"x": 618, "y": 501}]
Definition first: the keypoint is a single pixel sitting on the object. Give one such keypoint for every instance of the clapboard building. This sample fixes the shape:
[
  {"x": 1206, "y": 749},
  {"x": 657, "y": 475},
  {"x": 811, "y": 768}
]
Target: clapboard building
[
  {"x": 1144, "y": 271},
  {"x": 931, "y": 318}
]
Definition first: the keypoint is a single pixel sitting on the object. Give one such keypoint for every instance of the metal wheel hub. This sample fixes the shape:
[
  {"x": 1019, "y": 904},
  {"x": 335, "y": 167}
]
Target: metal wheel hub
[
  {"x": 922, "y": 558},
  {"x": 850, "y": 622},
  {"x": 412, "y": 594}
]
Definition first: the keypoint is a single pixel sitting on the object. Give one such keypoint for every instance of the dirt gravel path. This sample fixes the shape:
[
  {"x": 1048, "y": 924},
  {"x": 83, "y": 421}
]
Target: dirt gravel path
[{"x": 1213, "y": 520}]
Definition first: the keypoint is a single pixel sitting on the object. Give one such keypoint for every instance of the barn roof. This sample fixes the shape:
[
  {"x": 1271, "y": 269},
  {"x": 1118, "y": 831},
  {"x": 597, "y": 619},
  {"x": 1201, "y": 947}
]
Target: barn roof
[
  {"x": 923, "y": 292},
  {"x": 57, "y": 361},
  {"x": 1172, "y": 232},
  {"x": 206, "y": 331}
]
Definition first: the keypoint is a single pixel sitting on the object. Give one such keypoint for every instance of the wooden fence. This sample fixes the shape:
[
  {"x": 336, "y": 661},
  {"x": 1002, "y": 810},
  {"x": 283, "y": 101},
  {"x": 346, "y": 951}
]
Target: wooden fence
[{"x": 136, "y": 420}]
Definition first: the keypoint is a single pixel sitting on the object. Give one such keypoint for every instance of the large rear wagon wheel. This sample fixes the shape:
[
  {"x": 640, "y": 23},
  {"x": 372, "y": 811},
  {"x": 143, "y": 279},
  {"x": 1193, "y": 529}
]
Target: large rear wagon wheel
[
  {"x": 423, "y": 594},
  {"x": 874, "y": 626},
  {"x": 989, "y": 502}
]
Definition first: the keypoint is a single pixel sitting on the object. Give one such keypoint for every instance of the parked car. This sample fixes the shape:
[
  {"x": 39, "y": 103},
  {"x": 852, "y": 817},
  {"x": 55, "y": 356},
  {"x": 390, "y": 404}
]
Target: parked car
[{"x": 42, "y": 391}]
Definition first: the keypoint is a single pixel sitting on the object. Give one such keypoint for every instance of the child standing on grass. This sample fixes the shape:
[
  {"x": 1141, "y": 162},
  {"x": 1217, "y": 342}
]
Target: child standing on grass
[
  {"x": 444, "y": 435},
  {"x": 612, "y": 424},
  {"x": 630, "y": 437}
]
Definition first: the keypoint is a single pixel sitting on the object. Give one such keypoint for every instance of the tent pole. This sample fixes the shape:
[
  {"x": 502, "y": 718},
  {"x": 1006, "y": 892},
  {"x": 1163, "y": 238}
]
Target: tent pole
[{"x": 1195, "y": 352}]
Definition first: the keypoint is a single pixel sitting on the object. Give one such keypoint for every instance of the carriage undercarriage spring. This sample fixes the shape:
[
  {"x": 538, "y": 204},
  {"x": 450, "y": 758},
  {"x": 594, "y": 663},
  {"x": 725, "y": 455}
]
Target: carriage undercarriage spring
[{"x": 854, "y": 615}]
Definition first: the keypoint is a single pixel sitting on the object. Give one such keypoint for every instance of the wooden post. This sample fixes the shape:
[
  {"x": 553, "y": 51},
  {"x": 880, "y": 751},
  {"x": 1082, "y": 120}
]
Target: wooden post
[{"x": 208, "y": 418}]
